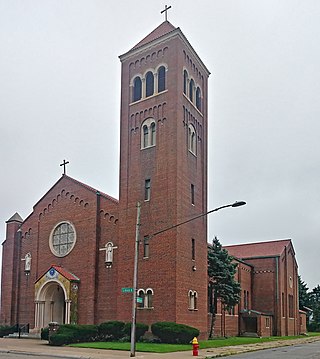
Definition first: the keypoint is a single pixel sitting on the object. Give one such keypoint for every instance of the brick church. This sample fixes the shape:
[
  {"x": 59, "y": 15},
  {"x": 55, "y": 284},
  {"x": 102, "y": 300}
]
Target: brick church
[{"x": 71, "y": 260}]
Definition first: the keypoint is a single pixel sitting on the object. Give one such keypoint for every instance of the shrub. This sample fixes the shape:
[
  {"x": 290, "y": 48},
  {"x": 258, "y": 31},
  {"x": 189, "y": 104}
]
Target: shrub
[
  {"x": 60, "y": 339},
  {"x": 71, "y": 333},
  {"x": 171, "y": 333},
  {"x": 111, "y": 330},
  {"x": 140, "y": 330},
  {"x": 313, "y": 327},
  {"x": 80, "y": 333},
  {"x": 45, "y": 333},
  {"x": 6, "y": 330}
]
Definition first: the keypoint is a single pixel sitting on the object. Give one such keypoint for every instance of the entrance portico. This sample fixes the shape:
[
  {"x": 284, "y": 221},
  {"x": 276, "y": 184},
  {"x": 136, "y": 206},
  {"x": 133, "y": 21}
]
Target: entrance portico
[{"x": 56, "y": 296}]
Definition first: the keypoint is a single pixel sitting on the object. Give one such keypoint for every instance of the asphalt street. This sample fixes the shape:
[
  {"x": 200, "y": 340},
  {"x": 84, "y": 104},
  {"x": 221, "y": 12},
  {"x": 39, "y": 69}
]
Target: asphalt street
[{"x": 301, "y": 351}]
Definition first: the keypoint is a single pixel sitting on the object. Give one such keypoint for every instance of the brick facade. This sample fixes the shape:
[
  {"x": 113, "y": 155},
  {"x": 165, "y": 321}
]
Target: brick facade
[
  {"x": 174, "y": 267},
  {"x": 163, "y": 165}
]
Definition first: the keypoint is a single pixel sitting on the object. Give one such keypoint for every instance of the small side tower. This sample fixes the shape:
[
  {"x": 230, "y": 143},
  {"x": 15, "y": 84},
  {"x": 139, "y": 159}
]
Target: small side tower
[
  {"x": 10, "y": 271},
  {"x": 163, "y": 165}
]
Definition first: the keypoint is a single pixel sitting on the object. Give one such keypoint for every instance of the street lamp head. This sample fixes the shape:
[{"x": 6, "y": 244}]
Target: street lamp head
[{"x": 238, "y": 204}]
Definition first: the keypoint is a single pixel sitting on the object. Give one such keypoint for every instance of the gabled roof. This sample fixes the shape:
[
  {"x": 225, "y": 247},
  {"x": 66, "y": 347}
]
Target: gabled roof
[
  {"x": 65, "y": 273},
  {"x": 92, "y": 189},
  {"x": 68, "y": 275},
  {"x": 81, "y": 184},
  {"x": 259, "y": 249},
  {"x": 15, "y": 218},
  {"x": 159, "y": 31}
]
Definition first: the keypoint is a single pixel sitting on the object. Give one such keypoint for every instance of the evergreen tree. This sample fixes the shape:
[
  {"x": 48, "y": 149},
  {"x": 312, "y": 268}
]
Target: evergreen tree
[
  {"x": 222, "y": 283},
  {"x": 315, "y": 305},
  {"x": 304, "y": 295}
]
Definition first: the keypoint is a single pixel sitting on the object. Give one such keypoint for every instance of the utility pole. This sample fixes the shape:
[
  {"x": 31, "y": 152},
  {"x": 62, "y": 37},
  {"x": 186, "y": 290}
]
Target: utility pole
[
  {"x": 135, "y": 284},
  {"x": 136, "y": 258}
]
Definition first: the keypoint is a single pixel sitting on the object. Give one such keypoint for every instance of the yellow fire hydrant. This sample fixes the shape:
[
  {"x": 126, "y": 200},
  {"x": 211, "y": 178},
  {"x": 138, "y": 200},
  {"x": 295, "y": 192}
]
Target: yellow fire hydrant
[{"x": 195, "y": 347}]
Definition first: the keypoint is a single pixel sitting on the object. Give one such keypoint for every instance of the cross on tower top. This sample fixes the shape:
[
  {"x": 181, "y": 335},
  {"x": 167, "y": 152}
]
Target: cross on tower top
[
  {"x": 64, "y": 164},
  {"x": 166, "y": 8}
]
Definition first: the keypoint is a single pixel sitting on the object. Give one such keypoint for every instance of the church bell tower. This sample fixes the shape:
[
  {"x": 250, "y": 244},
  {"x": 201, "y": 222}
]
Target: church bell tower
[{"x": 163, "y": 165}]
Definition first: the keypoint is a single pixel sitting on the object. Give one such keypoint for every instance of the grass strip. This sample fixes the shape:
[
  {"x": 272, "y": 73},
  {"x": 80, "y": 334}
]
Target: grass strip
[{"x": 169, "y": 348}]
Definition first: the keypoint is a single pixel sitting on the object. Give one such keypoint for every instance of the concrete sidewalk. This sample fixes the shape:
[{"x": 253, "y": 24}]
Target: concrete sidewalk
[{"x": 37, "y": 348}]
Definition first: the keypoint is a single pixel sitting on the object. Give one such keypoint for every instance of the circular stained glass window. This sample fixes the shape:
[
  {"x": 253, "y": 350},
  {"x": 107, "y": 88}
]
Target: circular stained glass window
[{"x": 62, "y": 239}]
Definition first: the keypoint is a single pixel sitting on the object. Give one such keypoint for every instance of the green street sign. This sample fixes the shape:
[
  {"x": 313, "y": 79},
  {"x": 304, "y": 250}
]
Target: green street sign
[
  {"x": 127, "y": 290},
  {"x": 139, "y": 300}
]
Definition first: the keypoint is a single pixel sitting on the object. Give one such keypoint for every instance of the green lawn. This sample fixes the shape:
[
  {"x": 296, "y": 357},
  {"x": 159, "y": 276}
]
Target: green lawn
[{"x": 167, "y": 348}]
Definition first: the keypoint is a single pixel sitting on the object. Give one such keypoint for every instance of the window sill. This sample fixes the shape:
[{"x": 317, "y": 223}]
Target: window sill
[
  {"x": 192, "y": 153},
  {"x": 147, "y": 98},
  {"x": 193, "y": 104},
  {"x": 192, "y": 310},
  {"x": 145, "y": 308},
  {"x": 147, "y": 147}
]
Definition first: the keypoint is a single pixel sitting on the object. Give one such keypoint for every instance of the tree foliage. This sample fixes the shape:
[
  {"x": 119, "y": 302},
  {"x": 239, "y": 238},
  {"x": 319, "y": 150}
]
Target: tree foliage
[
  {"x": 315, "y": 304},
  {"x": 222, "y": 283},
  {"x": 221, "y": 271},
  {"x": 304, "y": 295}
]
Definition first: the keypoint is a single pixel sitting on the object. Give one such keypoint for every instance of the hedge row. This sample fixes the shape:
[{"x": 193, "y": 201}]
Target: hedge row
[
  {"x": 173, "y": 333},
  {"x": 166, "y": 332},
  {"x": 108, "y": 331}
]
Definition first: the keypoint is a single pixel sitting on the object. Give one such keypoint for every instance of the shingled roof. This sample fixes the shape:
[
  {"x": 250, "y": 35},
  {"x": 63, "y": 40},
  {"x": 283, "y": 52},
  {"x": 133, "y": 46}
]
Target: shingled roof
[
  {"x": 260, "y": 249},
  {"x": 159, "y": 31}
]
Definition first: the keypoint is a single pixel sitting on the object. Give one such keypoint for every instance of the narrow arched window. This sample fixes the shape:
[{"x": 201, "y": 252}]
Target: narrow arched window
[
  {"x": 149, "y": 297},
  {"x": 141, "y": 300},
  {"x": 192, "y": 139},
  {"x": 137, "y": 89},
  {"x": 195, "y": 300},
  {"x": 161, "y": 79},
  {"x": 198, "y": 99},
  {"x": 153, "y": 134},
  {"x": 191, "y": 88},
  {"x": 148, "y": 133},
  {"x": 145, "y": 136},
  {"x": 149, "y": 84},
  {"x": 185, "y": 81}
]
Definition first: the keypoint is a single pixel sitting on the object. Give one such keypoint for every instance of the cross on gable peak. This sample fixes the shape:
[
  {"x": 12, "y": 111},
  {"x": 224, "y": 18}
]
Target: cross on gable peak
[
  {"x": 64, "y": 164},
  {"x": 165, "y": 11}
]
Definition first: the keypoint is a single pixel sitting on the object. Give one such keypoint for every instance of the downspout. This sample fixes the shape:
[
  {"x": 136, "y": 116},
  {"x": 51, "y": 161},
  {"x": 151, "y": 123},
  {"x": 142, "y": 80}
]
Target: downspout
[
  {"x": 276, "y": 312},
  {"x": 18, "y": 276},
  {"x": 98, "y": 237},
  {"x": 239, "y": 304}
]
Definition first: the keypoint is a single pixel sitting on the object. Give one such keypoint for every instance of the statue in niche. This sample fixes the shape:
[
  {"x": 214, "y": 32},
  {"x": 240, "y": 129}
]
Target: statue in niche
[
  {"x": 109, "y": 253},
  {"x": 27, "y": 262}
]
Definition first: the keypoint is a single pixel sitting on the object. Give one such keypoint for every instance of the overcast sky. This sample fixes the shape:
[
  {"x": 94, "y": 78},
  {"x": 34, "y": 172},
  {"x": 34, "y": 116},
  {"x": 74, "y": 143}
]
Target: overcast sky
[{"x": 60, "y": 99}]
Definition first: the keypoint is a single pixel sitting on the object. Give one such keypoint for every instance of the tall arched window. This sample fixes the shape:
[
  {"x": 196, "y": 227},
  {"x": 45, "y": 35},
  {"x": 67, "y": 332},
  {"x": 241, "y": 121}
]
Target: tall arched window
[
  {"x": 185, "y": 81},
  {"x": 198, "y": 98},
  {"x": 192, "y": 139},
  {"x": 148, "y": 133},
  {"x": 149, "y": 84},
  {"x": 153, "y": 134},
  {"x": 149, "y": 297},
  {"x": 191, "y": 88},
  {"x": 193, "y": 300},
  {"x": 141, "y": 295},
  {"x": 145, "y": 136},
  {"x": 137, "y": 89},
  {"x": 161, "y": 79}
]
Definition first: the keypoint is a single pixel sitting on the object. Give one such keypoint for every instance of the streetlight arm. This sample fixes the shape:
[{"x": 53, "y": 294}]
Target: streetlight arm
[{"x": 235, "y": 204}]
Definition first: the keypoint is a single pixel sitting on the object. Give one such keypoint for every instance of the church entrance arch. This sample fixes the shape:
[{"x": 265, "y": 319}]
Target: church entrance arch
[
  {"x": 56, "y": 298},
  {"x": 51, "y": 305}
]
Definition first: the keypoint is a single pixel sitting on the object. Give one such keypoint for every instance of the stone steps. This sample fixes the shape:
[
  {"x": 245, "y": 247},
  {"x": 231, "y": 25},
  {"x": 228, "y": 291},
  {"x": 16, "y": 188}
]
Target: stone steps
[{"x": 23, "y": 336}]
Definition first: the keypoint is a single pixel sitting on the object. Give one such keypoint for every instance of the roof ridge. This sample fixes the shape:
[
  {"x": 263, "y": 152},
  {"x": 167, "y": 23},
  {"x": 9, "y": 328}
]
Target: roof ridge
[
  {"x": 92, "y": 189},
  {"x": 255, "y": 243},
  {"x": 161, "y": 30}
]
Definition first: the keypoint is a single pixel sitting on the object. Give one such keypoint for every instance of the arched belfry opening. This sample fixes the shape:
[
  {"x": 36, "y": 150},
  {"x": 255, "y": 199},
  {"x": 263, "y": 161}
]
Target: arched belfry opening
[{"x": 56, "y": 297}]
